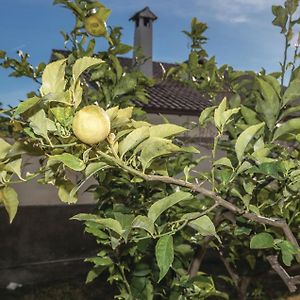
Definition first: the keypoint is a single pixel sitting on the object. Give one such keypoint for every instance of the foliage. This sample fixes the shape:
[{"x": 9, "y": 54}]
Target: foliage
[{"x": 155, "y": 220}]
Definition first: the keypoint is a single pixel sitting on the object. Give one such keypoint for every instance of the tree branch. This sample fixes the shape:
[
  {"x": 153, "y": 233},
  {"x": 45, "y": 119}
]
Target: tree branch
[
  {"x": 279, "y": 223},
  {"x": 233, "y": 274},
  {"x": 291, "y": 282}
]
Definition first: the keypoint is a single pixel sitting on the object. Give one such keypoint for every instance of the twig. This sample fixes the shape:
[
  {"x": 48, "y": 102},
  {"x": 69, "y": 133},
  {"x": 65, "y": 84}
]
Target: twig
[
  {"x": 241, "y": 282},
  {"x": 233, "y": 274},
  {"x": 291, "y": 282}
]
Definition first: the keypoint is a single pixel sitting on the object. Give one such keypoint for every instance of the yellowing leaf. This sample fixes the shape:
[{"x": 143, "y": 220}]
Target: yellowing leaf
[
  {"x": 53, "y": 78},
  {"x": 4, "y": 148},
  {"x": 9, "y": 198}
]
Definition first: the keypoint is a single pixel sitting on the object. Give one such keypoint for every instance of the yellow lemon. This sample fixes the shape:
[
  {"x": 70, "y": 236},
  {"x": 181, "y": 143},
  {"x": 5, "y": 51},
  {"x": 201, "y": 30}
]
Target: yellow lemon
[
  {"x": 94, "y": 26},
  {"x": 91, "y": 124}
]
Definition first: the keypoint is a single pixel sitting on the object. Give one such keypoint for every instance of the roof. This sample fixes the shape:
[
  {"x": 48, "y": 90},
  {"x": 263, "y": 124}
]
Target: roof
[
  {"x": 166, "y": 96},
  {"x": 144, "y": 13},
  {"x": 175, "y": 97}
]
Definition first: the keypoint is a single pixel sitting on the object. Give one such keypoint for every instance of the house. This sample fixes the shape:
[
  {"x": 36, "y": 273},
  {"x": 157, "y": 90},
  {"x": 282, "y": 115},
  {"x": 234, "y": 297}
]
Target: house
[{"x": 33, "y": 254}]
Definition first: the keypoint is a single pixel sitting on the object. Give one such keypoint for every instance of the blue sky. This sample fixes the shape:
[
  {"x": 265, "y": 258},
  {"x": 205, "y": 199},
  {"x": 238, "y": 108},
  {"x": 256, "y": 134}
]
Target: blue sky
[{"x": 240, "y": 33}]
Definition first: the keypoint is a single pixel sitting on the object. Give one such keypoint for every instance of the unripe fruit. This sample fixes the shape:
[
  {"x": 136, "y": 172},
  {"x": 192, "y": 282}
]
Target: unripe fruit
[
  {"x": 94, "y": 26},
  {"x": 91, "y": 124}
]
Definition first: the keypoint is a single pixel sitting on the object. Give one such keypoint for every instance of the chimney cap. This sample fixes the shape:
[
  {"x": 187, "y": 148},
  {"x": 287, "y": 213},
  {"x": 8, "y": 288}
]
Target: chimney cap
[{"x": 144, "y": 13}]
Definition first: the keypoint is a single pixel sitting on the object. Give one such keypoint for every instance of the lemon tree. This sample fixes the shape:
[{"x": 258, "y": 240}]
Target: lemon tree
[{"x": 161, "y": 217}]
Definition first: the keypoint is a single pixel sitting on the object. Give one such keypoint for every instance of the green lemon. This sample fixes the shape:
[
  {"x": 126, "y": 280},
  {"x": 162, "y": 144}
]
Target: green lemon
[
  {"x": 94, "y": 26},
  {"x": 91, "y": 125}
]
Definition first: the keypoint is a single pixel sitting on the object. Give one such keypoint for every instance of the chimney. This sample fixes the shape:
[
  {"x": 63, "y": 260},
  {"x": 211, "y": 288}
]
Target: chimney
[{"x": 143, "y": 20}]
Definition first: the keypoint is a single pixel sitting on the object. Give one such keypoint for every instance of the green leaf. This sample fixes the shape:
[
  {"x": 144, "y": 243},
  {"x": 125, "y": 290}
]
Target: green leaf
[
  {"x": 95, "y": 167},
  {"x": 241, "y": 231},
  {"x": 143, "y": 222},
  {"x": 108, "y": 223},
  {"x": 155, "y": 147},
  {"x": 117, "y": 66},
  {"x": 94, "y": 273},
  {"x": 103, "y": 13},
  {"x": 68, "y": 160},
  {"x": 249, "y": 115},
  {"x": 53, "y": 78},
  {"x": 166, "y": 130},
  {"x": 287, "y": 252},
  {"x": 64, "y": 192},
  {"x": 25, "y": 105},
  {"x": 40, "y": 124},
  {"x": 292, "y": 92},
  {"x": 63, "y": 115},
  {"x": 228, "y": 114},
  {"x": 124, "y": 86},
  {"x": 133, "y": 139},
  {"x": 281, "y": 17},
  {"x": 161, "y": 205},
  {"x": 206, "y": 114},
  {"x": 269, "y": 106},
  {"x": 100, "y": 261},
  {"x": 262, "y": 240},
  {"x": 224, "y": 161},
  {"x": 289, "y": 110},
  {"x": 244, "y": 139},
  {"x": 164, "y": 253},
  {"x": 4, "y": 148},
  {"x": 9, "y": 198},
  {"x": 204, "y": 226},
  {"x": 291, "y": 6},
  {"x": 82, "y": 64},
  {"x": 15, "y": 167},
  {"x": 287, "y": 127}
]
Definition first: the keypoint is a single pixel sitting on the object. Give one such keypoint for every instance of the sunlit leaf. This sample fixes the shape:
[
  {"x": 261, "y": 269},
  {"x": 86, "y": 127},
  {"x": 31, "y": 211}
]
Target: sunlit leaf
[
  {"x": 53, "y": 78},
  {"x": 166, "y": 130},
  {"x": 9, "y": 198},
  {"x": 244, "y": 139},
  {"x": 133, "y": 139},
  {"x": 68, "y": 160}
]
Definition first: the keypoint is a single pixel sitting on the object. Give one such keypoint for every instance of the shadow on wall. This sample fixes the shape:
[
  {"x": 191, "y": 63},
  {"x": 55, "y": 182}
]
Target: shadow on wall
[{"x": 43, "y": 245}]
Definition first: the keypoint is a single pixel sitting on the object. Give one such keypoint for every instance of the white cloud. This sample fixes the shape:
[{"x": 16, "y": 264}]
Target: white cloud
[
  {"x": 229, "y": 11},
  {"x": 235, "y": 11}
]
